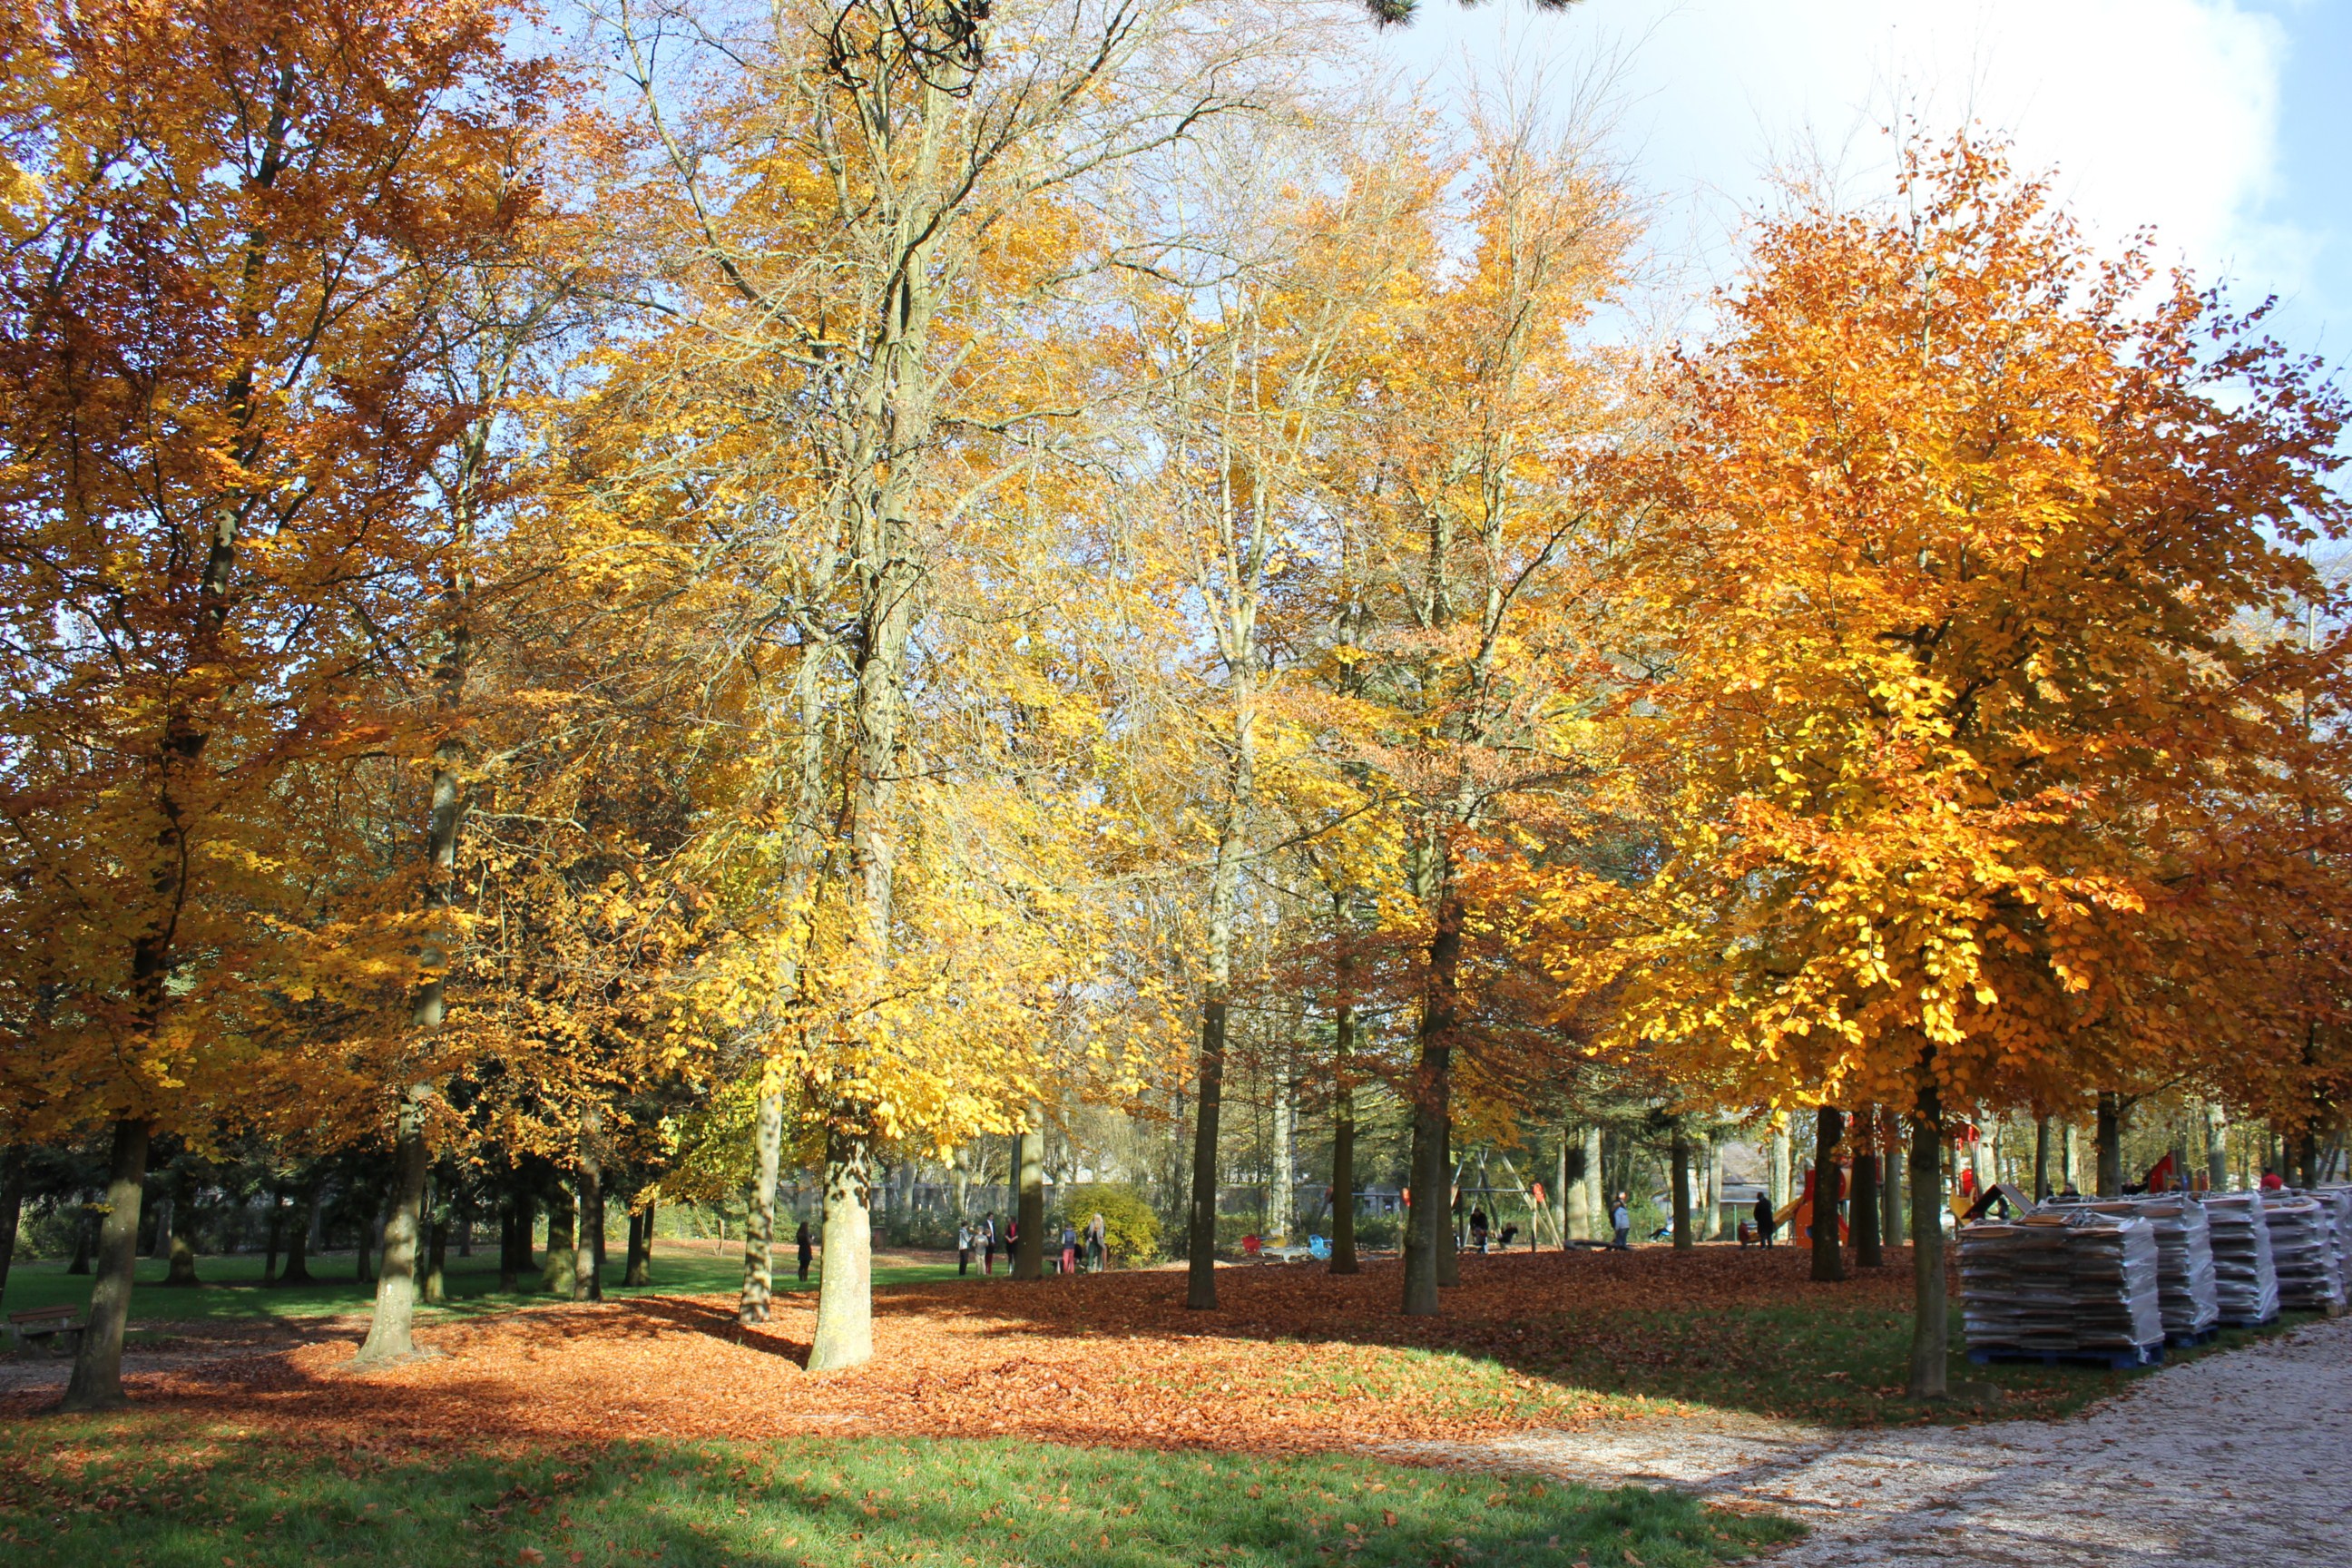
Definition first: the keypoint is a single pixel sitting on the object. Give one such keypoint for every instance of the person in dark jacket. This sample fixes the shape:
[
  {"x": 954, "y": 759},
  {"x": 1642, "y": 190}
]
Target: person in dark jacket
[
  {"x": 1620, "y": 1220},
  {"x": 1766, "y": 1221},
  {"x": 806, "y": 1242}
]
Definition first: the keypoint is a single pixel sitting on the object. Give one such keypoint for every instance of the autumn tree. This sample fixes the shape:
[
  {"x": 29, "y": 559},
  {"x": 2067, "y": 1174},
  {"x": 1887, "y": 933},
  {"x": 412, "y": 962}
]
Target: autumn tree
[
  {"x": 1245, "y": 340},
  {"x": 1478, "y": 538},
  {"x": 1948, "y": 550},
  {"x": 880, "y": 205},
  {"x": 226, "y": 228}
]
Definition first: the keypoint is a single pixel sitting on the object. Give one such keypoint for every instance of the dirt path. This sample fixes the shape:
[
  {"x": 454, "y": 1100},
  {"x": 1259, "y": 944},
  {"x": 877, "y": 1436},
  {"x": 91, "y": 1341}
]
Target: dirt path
[
  {"x": 160, "y": 1348},
  {"x": 2230, "y": 1460}
]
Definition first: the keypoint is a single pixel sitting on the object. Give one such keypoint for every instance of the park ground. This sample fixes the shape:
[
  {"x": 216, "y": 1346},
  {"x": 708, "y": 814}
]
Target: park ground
[{"x": 1000, "y": 1423}]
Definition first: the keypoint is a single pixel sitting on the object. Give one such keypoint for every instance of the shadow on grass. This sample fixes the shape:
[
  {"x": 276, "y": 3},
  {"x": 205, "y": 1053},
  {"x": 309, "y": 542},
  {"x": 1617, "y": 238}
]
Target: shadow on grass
[{"x": 175, "y": 1492}]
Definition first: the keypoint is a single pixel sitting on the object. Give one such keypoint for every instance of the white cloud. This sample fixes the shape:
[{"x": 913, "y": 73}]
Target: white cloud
[{"x": 2160, "y": 113}]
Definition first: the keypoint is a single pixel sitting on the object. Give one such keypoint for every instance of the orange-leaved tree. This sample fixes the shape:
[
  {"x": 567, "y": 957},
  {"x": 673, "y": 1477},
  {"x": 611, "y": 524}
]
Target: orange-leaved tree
[
  {"x": 1951, "y": 550},
  {"x": 225, "y": 225}
]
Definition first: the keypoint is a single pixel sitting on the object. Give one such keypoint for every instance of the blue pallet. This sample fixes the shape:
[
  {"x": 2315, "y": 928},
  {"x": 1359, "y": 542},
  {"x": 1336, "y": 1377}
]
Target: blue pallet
[
  {"x": 2108, "y": 1361},
  {"x": 2202, "y": 1337}
]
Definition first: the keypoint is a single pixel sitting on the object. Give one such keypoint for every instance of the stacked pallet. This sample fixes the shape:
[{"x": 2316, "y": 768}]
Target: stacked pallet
[
  {"x": 2302, "y": 1251},
  {"x": 2061, "y": 1283},
  {"x": 2339, "y": 1200},
  {"x": 2243, "y": 1266},
  {"x": 2187, "y": 1289}
]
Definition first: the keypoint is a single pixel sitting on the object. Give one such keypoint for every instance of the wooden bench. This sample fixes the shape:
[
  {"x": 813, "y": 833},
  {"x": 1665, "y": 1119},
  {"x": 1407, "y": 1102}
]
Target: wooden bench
[{"x": 47, "y": 1322}]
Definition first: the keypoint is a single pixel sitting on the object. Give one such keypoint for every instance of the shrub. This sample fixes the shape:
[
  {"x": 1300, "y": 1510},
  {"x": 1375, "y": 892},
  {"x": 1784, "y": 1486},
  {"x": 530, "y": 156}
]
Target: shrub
[{"x": 1130, "y": 1228}]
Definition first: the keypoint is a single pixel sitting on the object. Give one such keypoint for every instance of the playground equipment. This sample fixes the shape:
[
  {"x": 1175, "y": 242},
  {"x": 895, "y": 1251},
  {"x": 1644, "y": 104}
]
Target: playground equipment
[{"x": 1796, "y": 1221}]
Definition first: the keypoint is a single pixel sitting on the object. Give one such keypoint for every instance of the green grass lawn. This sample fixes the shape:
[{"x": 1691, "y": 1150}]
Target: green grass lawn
[
  {"x": 231, "y": 1286},
  {"x": 163, "y": 1491}
]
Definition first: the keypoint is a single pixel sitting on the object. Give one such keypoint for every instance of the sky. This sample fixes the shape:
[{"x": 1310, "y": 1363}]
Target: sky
[{"x": 2226, "y": 125}]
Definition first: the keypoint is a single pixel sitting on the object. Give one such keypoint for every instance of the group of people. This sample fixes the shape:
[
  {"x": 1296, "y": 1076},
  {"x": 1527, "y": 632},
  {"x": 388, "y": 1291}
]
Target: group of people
[{"x": 1085, "y": 1250}]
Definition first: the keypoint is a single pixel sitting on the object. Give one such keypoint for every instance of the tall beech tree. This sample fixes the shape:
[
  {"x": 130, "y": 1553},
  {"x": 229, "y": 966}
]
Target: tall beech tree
[
  {"x": 226, "y": 228},
  {"x": 1476, "y": 531},
  {"x": 1956, "y": 542},
  {"x": 888, "y": 208}
]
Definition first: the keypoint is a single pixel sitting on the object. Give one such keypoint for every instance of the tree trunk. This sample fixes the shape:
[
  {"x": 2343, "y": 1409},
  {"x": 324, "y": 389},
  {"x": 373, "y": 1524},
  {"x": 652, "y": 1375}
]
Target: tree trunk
[
  {"x": 97, "y": 1380},
  {"x": 179, "y": 1244},
  {"x": 2217, "y": 1147},
  {"x": 1429, "y": 1256},
  {"x": 1282, "y": 1197},
  {"x": 1678, "y": 1181},
  {"x": 1779, "y": 1174},
  {"x": 556, "y": 1275},
  {"x": 639, "y": 1270},
  {"x": 1829, "y": 1255},
  {"x": 516, "y": 1223},
  {"x": 1890, "y": 1179},
  {"x": 298, "y": 1242},
  {"x": 759, "y": 1224},
  {"x": 1029, "y": 1254},
  {"x": 389, "y": 1338},
  {"x": 85, "y": 1239},
  {"x": 2110, "y": 1140},
  {"x": 588, "y": 1250},
  {"x": 1596, "y": 1201},
  {"x": 272, "y": 1234},
  {"x": 845, "y": 1299},
  {"x": 2074, "y": 1142},
  {"x": 1201, "y": 1221},
  {"x": 1343, "y": 1146},
  {"x": 2041, "y": 1158},
  {"x": 1449, "y": 1254},
  {"x": 1868, "y": 1252},
  {"x": 12, "y": 1204},
  {"x": 1575, "y": 1216},
  {"x": 436, "y": 1290},
  {"x": 1930, "y": 1308},
  {"x": 1710, "y": 1187}
]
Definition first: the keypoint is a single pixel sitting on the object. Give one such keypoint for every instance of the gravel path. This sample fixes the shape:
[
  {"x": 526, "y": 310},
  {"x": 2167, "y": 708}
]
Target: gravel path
[{"x": 2229, "y": 1461}]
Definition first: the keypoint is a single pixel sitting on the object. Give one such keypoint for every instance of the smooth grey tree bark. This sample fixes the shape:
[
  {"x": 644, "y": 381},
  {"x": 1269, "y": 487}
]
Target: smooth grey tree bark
[
  {"x": 391, "y": 1338},
  {"x": 845, "y": 1317},
  {"x": 759, "y": 1226},
  {"x": 97, "y": 1380}
]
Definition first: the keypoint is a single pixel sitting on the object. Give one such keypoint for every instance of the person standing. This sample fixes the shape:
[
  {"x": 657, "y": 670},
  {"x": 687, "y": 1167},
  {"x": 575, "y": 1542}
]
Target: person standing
[
  {"x": 1011, "y": 1244},
  {"x": 987, "y": 1244},
  {"x": 1620, "y": 1220},
  {"x": 1098, "y": 1244},
  {"x": 806, "y": 1243},
  {"x": 1766, "y": 1221},
  {"x": 1069, "y": 1247},
  {"x": 964, "y": 1248},
  {"x": 1478, "y": 1225}
]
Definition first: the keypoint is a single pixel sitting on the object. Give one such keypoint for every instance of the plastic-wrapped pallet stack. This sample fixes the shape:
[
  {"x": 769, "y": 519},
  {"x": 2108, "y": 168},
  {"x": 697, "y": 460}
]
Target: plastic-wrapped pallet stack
[
  {"x": 2241, "y": 1259},
  {"x": 2340, "y": 1200},
  {"x": 2015, "y": 1292},
  {"x": 2187, "y": 1291},
  {"x": 2066, "y": 1281},
  {"x": 2302, "y": 1249}
]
